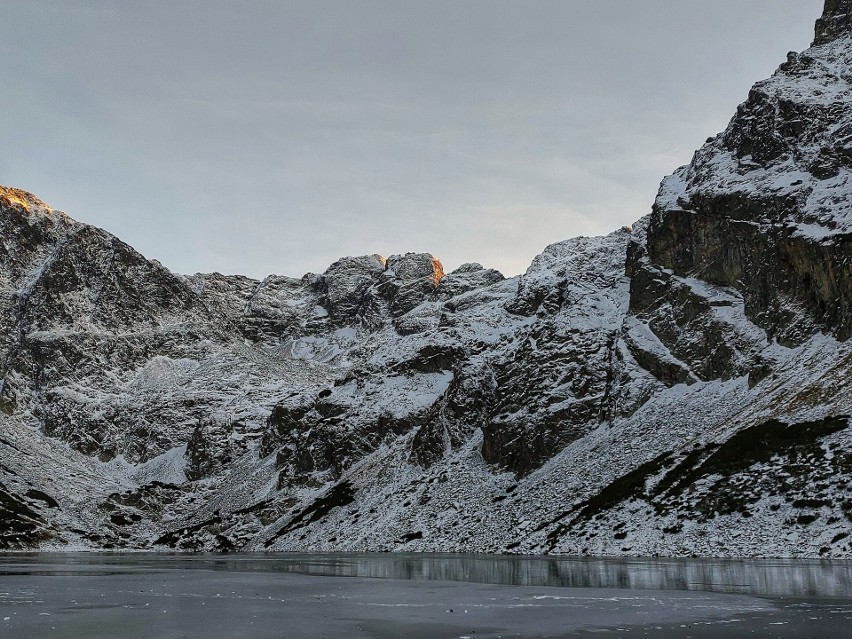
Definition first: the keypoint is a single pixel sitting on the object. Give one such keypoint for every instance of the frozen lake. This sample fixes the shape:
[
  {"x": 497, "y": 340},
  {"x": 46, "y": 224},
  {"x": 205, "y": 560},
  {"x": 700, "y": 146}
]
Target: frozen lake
[{"x": 296, "y": 596}]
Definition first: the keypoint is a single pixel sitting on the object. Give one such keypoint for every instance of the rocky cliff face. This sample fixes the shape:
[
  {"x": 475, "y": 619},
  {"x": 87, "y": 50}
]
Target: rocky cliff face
[
  {"x": 763, "y": 207},
  {"x": 835, "y": 21},
  {"x": 681, "y": 387}
]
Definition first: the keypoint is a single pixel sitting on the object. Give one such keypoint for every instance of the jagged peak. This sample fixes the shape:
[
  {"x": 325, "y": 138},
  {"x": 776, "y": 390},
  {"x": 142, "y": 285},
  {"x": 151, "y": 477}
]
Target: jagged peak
[
  {"x": 416, "y": 265},
  {"x": 20, "y": 198},
  {"x": 406, "y": 265},
  {"x": 27, "y": 202},
  {"x": 835, "y": 22}
]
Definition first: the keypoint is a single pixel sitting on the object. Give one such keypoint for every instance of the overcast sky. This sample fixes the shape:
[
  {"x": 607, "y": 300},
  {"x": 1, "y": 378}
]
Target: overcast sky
[{"x": 263, "y": 137}]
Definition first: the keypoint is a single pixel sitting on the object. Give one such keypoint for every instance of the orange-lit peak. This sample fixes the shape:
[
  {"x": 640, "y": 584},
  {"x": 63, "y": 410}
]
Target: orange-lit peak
[
  {"x": 438, "y": 269},
  {"x": 19, "y": 198}
]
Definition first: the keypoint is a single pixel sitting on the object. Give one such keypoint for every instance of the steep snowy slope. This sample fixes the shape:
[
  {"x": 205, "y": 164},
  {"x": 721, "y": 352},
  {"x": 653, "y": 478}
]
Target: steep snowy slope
[{"x": 681, "y": 387}]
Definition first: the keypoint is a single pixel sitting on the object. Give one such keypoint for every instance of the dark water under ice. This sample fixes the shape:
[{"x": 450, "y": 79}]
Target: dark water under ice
[{"x": 151, "y": 596}]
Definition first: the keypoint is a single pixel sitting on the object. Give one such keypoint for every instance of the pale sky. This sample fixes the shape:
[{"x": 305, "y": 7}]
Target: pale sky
[{"x": 262, "y": 137}]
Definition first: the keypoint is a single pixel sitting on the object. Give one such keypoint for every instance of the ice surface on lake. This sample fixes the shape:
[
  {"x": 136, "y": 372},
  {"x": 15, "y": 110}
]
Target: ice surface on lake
[{"x": 191, "y": 596}]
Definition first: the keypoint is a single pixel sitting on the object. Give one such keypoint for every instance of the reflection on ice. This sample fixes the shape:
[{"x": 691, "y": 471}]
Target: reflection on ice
[
  {"x": 774, "y": 578},
  {"x": 759, "y": 577},
  {"x": 148, "y": 596}
]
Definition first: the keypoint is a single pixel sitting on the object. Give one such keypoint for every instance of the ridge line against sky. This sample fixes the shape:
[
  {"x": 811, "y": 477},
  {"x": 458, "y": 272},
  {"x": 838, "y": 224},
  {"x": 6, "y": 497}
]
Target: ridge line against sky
[{"x": 274, "y": 137}]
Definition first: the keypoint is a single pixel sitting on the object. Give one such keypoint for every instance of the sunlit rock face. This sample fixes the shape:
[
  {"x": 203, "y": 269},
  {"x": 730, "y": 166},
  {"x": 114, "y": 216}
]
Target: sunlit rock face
[
  {"x": 678, "y": 387},
  {"x": 410, "y": 279},
  {"x": 371, "y": 289}
]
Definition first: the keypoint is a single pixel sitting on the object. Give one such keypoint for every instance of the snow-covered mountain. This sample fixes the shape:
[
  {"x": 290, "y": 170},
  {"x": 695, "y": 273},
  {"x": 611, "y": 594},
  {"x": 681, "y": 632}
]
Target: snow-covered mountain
[{"x": 680, "y": 387}]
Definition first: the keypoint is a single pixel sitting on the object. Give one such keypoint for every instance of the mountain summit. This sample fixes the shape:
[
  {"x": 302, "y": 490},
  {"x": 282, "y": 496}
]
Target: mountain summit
[{"x": 681, "y": 387}]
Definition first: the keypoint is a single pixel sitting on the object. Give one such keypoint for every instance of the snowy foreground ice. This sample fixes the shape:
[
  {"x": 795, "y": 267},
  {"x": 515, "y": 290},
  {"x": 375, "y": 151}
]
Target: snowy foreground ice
[{"x": 417, "y": 596}]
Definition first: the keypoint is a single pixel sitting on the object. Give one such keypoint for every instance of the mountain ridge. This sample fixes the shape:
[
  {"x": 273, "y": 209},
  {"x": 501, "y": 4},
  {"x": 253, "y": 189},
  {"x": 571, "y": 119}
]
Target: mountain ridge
[{"x": 679, "y": 387}]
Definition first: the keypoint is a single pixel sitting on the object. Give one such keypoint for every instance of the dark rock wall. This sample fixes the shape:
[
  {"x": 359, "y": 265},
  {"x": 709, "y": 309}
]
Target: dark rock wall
[{"x": 836, "y": 21}]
